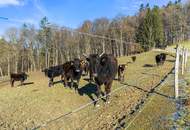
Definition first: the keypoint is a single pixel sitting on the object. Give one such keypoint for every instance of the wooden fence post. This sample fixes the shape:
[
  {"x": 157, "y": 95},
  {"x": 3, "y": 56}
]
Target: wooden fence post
[
  {"x": 183, "y": 60},
  {"x": 186, "y": 55},
  {"x": 176, "y": 72}
]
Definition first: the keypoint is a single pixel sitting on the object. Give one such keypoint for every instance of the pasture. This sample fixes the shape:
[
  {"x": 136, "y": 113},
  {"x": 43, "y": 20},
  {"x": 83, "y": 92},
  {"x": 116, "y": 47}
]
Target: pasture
[{"x": 28, "y": 106}]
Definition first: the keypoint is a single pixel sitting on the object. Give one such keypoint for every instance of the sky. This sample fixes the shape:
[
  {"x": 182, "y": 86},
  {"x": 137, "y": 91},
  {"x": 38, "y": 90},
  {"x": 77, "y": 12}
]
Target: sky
[{"x": 70, "y": 13}]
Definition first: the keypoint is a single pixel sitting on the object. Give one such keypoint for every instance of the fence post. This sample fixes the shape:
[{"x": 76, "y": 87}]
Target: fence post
[
  {"x": 186, "y": 55},
  {"x": 183, "y": 60},
  {"x": 176, "y": 72}
]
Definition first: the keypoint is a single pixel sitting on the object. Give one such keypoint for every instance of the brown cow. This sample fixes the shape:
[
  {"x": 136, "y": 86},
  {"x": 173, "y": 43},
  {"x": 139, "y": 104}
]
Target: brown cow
[
  {"x": 18, "y": 77},
  {"x": 121, "y": 70}
]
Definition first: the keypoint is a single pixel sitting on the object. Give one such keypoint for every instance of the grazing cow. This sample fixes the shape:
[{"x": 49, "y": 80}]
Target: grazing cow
[
  {"x": 104, "y": 69},
  {"x": 133, "y": 58},
  {"x": 53, "y": 72},
  {"x": 18, "y": 77},
  {"x": 160, "y": 59},
  {"x": 121, "y": 70},
  {"x": 72, "y": 71}
]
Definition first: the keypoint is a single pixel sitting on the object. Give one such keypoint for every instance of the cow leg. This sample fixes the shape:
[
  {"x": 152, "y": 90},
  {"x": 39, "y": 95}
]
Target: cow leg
[
  {"x": 12, "y": 82},
  {"x": 65, "y": 81},
  {"x": 108, "y": 90},
  {"x": 50, "y": 82},
  {"x": 21, "y": 82},
  {"x": 72, "y": 83},
  {"x": 62, "y": 78},
  {"x": 119, "y": 77},
  {"x": 76, "y": 87},
  {"x": 98, "y": 92},
  {"x": 91, "y": 77},
  {"x": 122, "y": 78}
]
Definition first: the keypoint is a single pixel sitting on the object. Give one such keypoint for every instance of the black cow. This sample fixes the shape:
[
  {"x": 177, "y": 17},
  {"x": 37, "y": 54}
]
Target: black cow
[
  {"x": 133, "y": 58},
  {"x": 93, "y": 60},
  {"x": 104, "y": 69},
  {"x": 160, "y": 59},
  {"x": 72, "y": 71},
  {"x": 53, "y": 72},
  {"x": 121, "y": 70},
  {"x": 18, "y": 77}
]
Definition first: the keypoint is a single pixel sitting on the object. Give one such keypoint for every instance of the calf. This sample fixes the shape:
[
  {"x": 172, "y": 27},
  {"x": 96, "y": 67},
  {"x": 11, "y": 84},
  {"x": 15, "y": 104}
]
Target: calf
[
  {"x": 18, "y": 77},
  {"x": 84, "y": 66},
  {"x": 53, "y": 72},
  {"x": 121, "y": 70},
  {"x": 72, "y": 71}
]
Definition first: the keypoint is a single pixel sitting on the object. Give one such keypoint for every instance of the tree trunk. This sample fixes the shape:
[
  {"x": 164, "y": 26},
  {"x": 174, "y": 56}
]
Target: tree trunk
[
  {"x": 8, "y": 67},
  {"x": 1, "y": 72}
]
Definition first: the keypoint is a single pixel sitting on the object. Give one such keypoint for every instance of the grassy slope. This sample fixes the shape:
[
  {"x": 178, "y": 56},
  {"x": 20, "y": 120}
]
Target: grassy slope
[
  {"x": 155, "y": 111},
  {"x": 36, "y": 103}
]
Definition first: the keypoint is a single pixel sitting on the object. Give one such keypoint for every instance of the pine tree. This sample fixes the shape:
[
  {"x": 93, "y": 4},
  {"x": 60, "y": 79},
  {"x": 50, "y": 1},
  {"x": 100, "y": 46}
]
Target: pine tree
[
  {"x": 150, "y": 31},
  {"x": 157, "y": 27}
]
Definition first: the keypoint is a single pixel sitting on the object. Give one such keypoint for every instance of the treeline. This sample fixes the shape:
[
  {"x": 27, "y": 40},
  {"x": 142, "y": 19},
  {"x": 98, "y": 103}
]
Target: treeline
[{"x": 31, "y": 49}]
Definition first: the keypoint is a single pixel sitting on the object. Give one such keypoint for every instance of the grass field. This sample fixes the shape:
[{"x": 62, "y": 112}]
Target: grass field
[{"x": 28, "y": 106}]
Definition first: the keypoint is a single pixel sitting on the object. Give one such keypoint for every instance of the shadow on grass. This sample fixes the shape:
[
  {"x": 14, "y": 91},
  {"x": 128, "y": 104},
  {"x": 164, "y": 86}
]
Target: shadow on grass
[
  {"x": 148, "y": 65},
  {"x": 90, "y": 90},
  {"x": 28, "y": 83},
  {"x": 150, "y": 74}
]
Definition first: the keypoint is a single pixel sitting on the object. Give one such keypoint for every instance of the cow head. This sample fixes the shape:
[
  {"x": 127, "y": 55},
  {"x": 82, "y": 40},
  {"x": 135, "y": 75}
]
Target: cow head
[
  {"x": 25, "y": 75},
  {"x": 76, "y": 65},
  {"x": 94, "y": 61}
]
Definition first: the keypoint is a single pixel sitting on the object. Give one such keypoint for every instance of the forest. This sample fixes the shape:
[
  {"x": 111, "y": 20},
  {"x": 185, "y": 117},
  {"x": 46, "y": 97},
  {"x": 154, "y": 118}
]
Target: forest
[{"x": 31, "y": 49}]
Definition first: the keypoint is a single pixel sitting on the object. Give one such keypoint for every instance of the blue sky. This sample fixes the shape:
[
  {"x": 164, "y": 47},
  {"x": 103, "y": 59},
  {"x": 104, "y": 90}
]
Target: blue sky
[{"x": 70, "y": 13}]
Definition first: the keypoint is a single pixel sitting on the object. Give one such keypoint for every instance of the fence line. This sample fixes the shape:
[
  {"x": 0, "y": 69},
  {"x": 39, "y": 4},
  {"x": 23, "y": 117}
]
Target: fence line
[{"x": 184, "y": 53}]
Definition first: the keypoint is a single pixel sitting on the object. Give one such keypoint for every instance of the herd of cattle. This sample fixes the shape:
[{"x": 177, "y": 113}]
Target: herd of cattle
[{"x": 102, "y": 70}]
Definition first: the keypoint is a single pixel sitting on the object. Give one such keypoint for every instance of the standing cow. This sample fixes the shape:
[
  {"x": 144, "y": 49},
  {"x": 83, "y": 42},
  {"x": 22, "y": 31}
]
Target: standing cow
[
  {"x": 104, "y": 69},
  {"x": 93, "y": 60},
  {"x": 72, "y": 71},
  {"x": 160, "y": 59},
  {"x": 18, "y": 77},
  {"x": 121, "y": 72},
  {"x": 53, "y": 72}
]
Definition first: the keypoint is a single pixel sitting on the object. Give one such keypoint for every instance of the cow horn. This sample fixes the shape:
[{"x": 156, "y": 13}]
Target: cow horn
[
  {"x": 85, "y": 55},
  {"x": 101, "y": 54}
]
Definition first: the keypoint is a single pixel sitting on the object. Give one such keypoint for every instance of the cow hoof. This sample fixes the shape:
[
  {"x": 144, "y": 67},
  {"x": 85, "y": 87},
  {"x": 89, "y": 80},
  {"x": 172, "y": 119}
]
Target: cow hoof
[{"x": 108, "y": 102}]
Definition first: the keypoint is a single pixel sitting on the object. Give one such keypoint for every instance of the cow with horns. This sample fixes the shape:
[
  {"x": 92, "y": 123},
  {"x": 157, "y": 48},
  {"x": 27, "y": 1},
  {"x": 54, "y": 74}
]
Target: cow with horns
[{"x": 104, "y": 69}]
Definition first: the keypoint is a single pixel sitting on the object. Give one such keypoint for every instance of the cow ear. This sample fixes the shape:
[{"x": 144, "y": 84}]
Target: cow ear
[
  {"x": 103, "y": 60},
  {"x": 87, "y": 59}
]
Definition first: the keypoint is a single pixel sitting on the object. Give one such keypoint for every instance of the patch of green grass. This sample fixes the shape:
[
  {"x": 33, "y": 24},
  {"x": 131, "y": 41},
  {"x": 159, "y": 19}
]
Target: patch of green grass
[{"x": 185, "y": 44}]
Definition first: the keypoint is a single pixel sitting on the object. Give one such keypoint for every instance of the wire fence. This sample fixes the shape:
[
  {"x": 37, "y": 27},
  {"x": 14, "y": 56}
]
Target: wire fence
[{"x": 84, "y": 113}]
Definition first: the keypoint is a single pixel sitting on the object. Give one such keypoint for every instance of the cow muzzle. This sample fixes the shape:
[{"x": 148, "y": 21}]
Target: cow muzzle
[
  {"x": 95, "y": 74},
  {"x": 77, "y": 70}
]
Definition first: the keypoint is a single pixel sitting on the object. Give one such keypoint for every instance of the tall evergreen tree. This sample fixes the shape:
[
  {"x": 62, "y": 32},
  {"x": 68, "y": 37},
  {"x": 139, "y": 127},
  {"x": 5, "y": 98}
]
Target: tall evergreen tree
[
  {"x": 150, "y": 31},
  {"x": 157, "y": 27}
]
